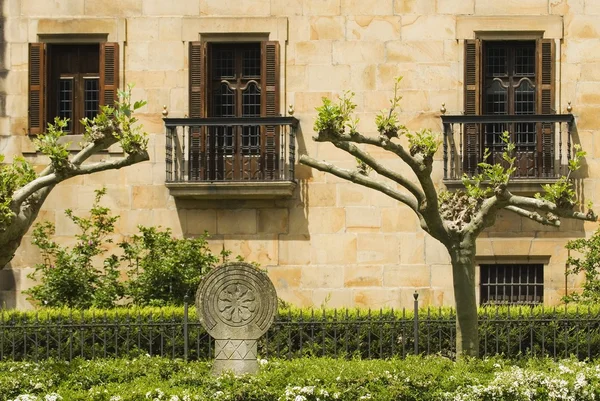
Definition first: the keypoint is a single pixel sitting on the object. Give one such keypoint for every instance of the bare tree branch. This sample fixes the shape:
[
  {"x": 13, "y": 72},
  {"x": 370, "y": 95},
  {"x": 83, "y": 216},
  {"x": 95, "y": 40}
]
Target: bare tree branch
[
  {"x": 381, "y": 142},
  {"x": 392, "y": 175},
  {"x": 358, "y": 178},
  {"x": 420, "y": 167},
  {"x": 547, "y": 206},
  {"x": 73, "y": 170},
  {"x": 535, "y": 216}
]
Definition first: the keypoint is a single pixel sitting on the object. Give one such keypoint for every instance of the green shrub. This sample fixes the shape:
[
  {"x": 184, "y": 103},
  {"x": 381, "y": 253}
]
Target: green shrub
[
  {"x": 68, "y": 275},
  {"x": 306, "y": 379},
  {"x": 164, "y": 270},
  {"x": 589, "y": 264}
]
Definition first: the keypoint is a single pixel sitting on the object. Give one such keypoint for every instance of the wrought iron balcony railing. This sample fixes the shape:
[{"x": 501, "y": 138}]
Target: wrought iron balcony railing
[
  {"x": 543, "y": 144},
  {"x": 255, "y": 149}
]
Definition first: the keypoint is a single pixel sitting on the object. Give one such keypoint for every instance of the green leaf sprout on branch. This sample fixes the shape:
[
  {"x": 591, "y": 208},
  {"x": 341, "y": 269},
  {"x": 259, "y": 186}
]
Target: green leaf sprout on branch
[
  {"x": 562, "y": 193},
  {"x": 387, "y": 121},
  {"x": 48, "y": 144},
  {"x": 491, "y": 176},
  {"x": 335, "y": 118}
]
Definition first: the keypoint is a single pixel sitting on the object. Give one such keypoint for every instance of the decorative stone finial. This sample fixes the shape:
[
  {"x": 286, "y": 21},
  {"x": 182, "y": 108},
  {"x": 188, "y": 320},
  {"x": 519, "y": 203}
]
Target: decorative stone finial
[
  {"x": 165, "y": 112},
  {"x": 236, "y": 304},
  {"x": 569, "y": 107},
  {"x": 443, "y": 108},
  {"x": 291, "y": 109}
]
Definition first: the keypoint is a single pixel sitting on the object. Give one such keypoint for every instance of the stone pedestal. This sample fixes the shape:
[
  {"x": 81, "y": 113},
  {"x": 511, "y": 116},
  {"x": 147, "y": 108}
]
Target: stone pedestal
[{"x": 236, "y": 304}]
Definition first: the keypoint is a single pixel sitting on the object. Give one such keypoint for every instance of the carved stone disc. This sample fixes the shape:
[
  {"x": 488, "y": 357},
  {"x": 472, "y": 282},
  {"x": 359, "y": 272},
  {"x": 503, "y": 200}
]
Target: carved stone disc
[{"x": 236, "y": 301}]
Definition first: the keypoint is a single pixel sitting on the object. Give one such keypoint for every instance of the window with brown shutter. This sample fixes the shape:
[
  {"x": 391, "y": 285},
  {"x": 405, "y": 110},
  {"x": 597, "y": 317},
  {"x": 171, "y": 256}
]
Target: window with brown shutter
[
  {"x": 234, "y": 80},
  {"x": 510, "y": 78},
  {"x": 70, "y": 81}
]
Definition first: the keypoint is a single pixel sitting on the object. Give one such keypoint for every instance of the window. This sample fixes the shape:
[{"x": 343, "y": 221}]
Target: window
[
  {"x": 512, "y": 284},
  {"x": 70, "y": 81},
  {"x": 234, "y": 80},
  {"x": 510, "y": 78}
]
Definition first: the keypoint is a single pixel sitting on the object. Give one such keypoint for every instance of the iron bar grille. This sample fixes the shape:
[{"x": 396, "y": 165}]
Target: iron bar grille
[
  {"x": 512, "y": 284},
  {"x": 542, "y": 144},
  {"x": 510, "y": 331},
  {"x": 227, "y": 149}
]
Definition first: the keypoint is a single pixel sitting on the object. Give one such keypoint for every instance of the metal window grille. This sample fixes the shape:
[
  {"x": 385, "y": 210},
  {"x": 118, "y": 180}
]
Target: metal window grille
[{"x": 515, "y": 284}]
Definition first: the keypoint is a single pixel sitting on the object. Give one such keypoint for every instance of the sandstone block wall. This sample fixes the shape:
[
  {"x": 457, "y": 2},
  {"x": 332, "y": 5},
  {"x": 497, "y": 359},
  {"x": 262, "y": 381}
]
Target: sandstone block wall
[{"x": 332, "y": 243}]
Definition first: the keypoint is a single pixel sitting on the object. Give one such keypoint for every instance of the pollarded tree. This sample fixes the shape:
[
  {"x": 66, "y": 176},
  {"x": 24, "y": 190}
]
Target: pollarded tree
[
  {"x": 453, "y": 218},
  {"x": 23, "y": 191}
]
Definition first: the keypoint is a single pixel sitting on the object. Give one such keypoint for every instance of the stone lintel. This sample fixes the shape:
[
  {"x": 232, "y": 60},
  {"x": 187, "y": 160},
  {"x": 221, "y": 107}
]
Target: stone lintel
[
  {"x": 232, "y": 190},
  {"x": 275, "y": 27},
  {"x": 504, "y": 259},
  {"x": 77, "y": 30},
  {"x": 470, "y": 27}
]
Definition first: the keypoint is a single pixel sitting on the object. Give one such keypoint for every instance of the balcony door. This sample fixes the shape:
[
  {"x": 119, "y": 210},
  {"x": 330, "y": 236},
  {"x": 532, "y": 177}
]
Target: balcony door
[
  {"x": 235, "y": 91},
  {"x": 509, "y": 88},
  {"x": 510, "y": 78},
  {"x": 232, "y": 81}
]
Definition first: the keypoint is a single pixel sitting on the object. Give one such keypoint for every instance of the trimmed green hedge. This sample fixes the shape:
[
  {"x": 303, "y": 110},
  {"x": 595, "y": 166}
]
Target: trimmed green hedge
[
  {"x": 306, "y": 379},
  {"x": 66, "y": 334}
]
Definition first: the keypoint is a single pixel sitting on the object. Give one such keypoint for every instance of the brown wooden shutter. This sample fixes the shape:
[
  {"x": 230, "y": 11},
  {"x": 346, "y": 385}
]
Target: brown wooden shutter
[
  {"x": 197, "y": 68},
  {"x": 197, "y": 107},
  {"x": 545, "y": 71},
  {"x": 37, "y": 84},
  {"x": 472, "y": 81},
  {"x": 109, "y": 73},
  {"x": 270, "y": 107}
]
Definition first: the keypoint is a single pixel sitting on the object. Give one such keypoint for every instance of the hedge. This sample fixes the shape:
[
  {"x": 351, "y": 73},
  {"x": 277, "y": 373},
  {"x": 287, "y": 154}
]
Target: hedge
[
  {"x": 66, "y": 334},
  {"x": 305, "y": 379}
]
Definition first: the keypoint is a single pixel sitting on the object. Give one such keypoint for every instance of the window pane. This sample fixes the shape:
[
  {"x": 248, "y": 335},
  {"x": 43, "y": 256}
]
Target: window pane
[
  {"x": 525, "y": 98},
  {"x": 496, "y": 99},
  {"x": 223, "y": 63},
  {"x": 525, "y": 61},
  {"x": 251, "y": 62},
  {"x": 65, "y": 101},
  {"x": 496, "y": 62},
  {"x": 223, "y": 101},
  {"x": 91, "y": 97}
]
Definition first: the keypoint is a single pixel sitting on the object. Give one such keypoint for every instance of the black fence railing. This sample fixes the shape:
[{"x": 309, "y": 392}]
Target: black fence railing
[
  {"x": 230, "y": 149},
  {"x": 543, "y": 143},
  {"x": 551, "y": 333}
]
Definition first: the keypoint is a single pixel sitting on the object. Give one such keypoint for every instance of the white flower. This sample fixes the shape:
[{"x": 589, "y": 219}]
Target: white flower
[
  {"x": 52, "y": 397},
  {"x": 116, "y": 398},
  {"x": 262, "y": 362}
]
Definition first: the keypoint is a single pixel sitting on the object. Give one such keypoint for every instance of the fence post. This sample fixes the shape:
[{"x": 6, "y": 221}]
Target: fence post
[
  {"x": 185, "y": 328},
  {"x": 416, "y": 322}
]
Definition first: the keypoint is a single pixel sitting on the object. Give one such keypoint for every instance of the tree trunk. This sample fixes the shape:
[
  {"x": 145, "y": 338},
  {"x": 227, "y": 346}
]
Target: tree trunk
[{"x": 463, "y": 274}]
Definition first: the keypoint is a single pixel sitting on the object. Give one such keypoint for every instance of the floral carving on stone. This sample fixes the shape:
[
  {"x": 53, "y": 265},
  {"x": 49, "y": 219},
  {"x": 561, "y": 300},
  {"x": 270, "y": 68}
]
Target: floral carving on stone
[{"x": 236, "y": 303}]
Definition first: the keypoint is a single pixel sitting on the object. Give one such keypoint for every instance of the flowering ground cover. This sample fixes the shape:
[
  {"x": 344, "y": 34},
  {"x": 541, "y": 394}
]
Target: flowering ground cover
[{"x": 308, "y": 379}]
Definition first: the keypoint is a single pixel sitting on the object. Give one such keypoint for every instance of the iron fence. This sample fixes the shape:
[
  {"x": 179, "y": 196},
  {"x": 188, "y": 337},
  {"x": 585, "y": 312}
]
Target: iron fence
[{"x": 346, "y": 333}]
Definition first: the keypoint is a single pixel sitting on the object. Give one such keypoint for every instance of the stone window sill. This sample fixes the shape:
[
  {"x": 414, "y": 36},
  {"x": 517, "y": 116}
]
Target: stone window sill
[{"x": 232, "y": 190}]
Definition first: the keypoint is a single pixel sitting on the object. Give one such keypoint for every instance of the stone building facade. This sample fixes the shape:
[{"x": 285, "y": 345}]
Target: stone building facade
[{"x": 323, "y": 241}]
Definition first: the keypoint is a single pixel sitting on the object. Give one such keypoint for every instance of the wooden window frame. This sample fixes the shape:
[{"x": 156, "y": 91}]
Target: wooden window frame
[{"x": 39, "y": 79}]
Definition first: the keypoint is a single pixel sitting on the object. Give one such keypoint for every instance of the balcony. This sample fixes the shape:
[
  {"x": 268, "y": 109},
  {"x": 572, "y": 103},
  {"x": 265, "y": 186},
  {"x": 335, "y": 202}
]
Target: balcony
[
  {"x": 230, "y": 158},
  {"x": 543, "y": 146}
]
